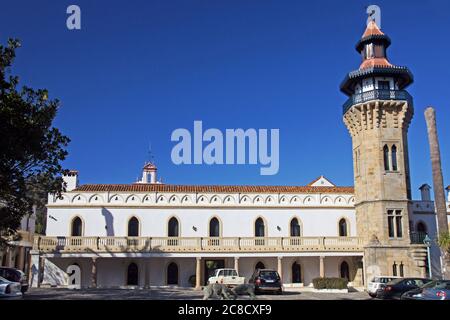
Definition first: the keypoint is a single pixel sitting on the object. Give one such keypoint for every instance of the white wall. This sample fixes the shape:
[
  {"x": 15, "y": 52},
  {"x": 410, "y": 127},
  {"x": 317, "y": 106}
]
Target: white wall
[{"x": 235, "y": 222}]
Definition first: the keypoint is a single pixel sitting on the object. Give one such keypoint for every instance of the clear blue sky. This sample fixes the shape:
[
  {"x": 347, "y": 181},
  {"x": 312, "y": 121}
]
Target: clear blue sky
[{"x": 140, "y": 69}]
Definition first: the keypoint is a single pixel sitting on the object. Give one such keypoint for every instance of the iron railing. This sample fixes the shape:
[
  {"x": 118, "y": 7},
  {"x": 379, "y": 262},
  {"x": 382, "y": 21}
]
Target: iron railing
[{"x": 377, "y": 95}]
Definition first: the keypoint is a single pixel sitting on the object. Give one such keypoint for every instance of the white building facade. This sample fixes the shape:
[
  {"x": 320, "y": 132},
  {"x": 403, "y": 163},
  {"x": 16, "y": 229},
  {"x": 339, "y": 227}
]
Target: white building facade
[{"x": 150, "y": 234}]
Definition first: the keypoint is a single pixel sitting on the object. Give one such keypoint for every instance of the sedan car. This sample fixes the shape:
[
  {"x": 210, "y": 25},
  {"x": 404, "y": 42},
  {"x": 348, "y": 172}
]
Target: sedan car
[
  {"x": 395, "y": 288},
  {"x": 9, "y": 289},
  {"x": 266, "y": 280},
  {"x": 434, "y": 290},
  {"x": 15, "y": 275}
]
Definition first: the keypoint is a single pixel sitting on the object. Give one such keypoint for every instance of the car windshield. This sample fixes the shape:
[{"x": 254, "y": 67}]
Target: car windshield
[
  {"x": 395, "y": 281},
  {"x": 268, "y": 275}
]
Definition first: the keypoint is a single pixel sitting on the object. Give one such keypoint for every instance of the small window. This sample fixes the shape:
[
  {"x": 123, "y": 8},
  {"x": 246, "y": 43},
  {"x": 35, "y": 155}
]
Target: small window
[
  {"x": 384, "y": 85},
  {"x": 394, "y": 157},
  {"x": 77, "y": 227},
  {"x": 394, "y": 269},
  {"x": 401, "y": 270},
  {"x": 343, "y": 232},
  {"x": 398, "y": 223},
  {"x": 133, "y": 227},
  {"x": 386, "y": 157}
]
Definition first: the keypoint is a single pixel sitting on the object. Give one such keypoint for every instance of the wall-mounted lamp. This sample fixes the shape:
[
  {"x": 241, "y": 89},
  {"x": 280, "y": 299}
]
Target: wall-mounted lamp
[
  {"x": 194, "y": 228},
  {"x": 278, "y": 228}
]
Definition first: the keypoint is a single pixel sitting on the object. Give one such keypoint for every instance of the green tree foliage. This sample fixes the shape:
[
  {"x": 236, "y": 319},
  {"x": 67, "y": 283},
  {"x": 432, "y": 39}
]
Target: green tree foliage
[
  {"x": 31, "y": 149},
  {"x": 444, "y": 241}
]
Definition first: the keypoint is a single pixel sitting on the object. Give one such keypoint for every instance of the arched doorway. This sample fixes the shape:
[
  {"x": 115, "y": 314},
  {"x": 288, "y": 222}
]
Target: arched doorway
[
  {"x": 343, "y": 228},
  {"x": 172, "y": 274},
  {"x": 214, "y": 231},
  {"x": 132, "y": 274},
  {"x": 259, "y": 231},
  {"x": 295, "y": 228},
  {"x": 260, "y": 265},
  {"x": 133, "y": 227},
  {"x": 296, "y": 273},
  {"x": 173, "y": 231},
  {"x": 77, "y": 227},
  {"x": 345, "y": 271}
]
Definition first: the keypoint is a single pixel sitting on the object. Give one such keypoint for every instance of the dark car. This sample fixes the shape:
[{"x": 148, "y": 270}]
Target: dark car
[
  {"x": 266, "y": 280},
  {"x": 15, "y": 275},
  {"x": 434, "y": 290},
  {"x": 396, "y": 288}
]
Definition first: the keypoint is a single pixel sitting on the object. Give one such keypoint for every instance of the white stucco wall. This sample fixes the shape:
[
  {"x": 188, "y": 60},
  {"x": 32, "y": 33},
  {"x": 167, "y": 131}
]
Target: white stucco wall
[{"x": 234, "y": 222}]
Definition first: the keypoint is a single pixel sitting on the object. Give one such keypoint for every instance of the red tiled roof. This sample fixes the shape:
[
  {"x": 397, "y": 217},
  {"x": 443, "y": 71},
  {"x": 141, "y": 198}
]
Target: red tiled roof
[
  {"x": 208, "y": 188},
  {"x": 375, "y": 62},
  {"x": 372, "y": 29}
]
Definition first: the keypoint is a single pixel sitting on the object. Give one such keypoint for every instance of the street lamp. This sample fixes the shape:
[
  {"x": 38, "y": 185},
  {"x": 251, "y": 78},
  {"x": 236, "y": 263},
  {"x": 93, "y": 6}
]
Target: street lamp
[{"x": 427, "y": 242}]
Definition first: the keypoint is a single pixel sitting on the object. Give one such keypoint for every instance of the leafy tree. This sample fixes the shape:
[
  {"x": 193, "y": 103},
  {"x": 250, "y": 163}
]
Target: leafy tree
[{"x": 31, "y": 149}]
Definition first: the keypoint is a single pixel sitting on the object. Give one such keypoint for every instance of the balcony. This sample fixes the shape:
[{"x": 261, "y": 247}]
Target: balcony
[
  {"x": 377, "y": 95},
  {"x": 417, "y": 237},
  {"x": 186, "y": 245}
]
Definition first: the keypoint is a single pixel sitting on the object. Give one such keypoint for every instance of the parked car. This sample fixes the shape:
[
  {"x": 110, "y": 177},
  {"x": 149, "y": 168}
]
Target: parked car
[
  {"x": 9, "y": 289},
  {"x": 434, "y": 290},
  {"x": 266, "y": 280},
  {"x": 395, "y": 288},
  {"x": 15, "y": 275},
  {"x": 378, "y": 283},
  {"x": 228, "y": 277}
]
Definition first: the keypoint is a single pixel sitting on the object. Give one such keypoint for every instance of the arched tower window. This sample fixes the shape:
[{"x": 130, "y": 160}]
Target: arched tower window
[
  {"x": 345, "y": 271},
  {"x": 394, "y": 157},
  {"x": 77, "y": 227},
  {"x": 132, "y": 275},
  {"x": 296, "y": 273},
  {"x": 133, "y": 227},
  {"x": 343, "y": 228},
  {"x": 295, "y": 228},
  {"x": 421, "y": 228},
  {"x": 259, "y": 228},
  {"x": 260, "y": 265},
  {"x": 173, "y": 228},
  {"x": 386, "y": 157},
  {"x": 214, "y": 227},
  {"x": 172, "y": 273}
]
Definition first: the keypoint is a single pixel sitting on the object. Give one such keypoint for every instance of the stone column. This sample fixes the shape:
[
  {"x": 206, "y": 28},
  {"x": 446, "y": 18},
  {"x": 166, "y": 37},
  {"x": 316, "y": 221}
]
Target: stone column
[
  {"x": 41, "y": 271},
  {"x": 21, "y": 262},
  {"x": 280, "y": 267},
  {"x": 236, "y": 264},
  {"x": 94, "y": 272},
  {"x": 322, "y": 267},
  {"x": 147, "y": 273},
  {"x": 198, "y": 273}
]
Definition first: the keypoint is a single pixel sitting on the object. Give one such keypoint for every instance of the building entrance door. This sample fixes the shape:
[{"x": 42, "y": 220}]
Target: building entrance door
[{"x": 210, "y": 268}]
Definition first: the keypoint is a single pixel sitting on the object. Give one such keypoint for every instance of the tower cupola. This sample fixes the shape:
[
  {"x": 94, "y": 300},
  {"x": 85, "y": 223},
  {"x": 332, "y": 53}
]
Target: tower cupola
[
  {"x": 376, "y": 78},
  {"x": 149, "y": 173}
]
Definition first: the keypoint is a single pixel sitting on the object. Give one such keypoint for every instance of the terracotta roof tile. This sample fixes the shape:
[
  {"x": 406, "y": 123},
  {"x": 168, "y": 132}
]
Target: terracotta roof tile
[
  {"x": 372, "y": 29},
  {"x": 208, "y": 188},
  {"x": 375, "y": 62}
]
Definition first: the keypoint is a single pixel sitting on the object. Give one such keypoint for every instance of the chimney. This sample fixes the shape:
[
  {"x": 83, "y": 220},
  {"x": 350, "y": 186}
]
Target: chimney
[
  {"x": 438, "y": 181},
  {"x": 71, "y": 180},
  {"x": 425, "y": 192}
]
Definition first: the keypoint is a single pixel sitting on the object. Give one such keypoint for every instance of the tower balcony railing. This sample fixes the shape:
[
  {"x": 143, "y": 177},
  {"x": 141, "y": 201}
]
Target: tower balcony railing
[
  {"x": 195, "y": 244},
  {"x": 376, "y": 95},
  {"x": 417, "y": 237}
]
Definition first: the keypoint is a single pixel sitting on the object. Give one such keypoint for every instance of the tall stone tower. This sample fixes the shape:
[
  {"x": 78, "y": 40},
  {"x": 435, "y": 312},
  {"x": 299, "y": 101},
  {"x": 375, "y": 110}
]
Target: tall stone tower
[{"x": 377, "y": 115}]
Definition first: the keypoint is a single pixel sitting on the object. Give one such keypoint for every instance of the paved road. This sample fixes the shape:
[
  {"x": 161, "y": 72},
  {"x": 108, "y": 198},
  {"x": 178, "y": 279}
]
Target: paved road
[{"x": 172, "y": 294}]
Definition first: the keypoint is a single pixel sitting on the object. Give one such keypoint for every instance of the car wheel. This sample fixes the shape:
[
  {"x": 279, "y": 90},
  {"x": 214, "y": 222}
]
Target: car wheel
[{"x": 372, "y": 295}]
